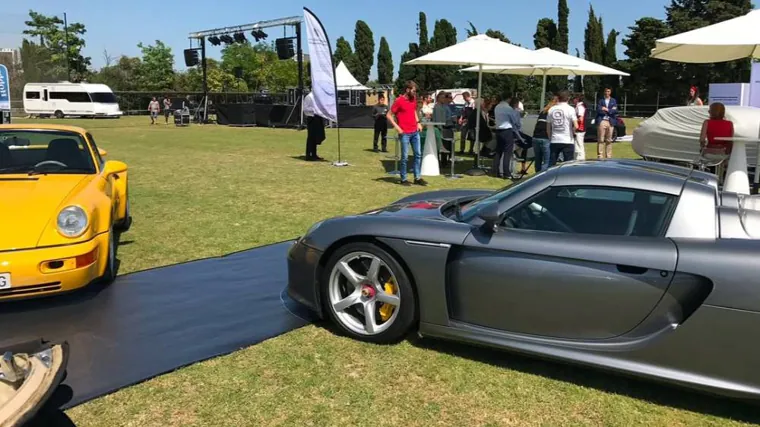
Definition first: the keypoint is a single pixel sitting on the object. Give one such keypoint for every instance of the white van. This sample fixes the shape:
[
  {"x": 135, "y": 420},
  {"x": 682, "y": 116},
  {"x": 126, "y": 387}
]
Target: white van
[{"x": 70, "y": 99}]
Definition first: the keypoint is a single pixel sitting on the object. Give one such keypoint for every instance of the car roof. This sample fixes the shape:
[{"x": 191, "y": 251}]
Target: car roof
[
  {"x": 41, "y": 126},
  {"x": 634, "y": 174}
]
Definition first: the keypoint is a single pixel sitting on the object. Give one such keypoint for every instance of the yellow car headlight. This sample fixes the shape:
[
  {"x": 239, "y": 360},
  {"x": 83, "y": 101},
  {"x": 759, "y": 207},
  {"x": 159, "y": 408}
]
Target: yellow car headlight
[{"x": 72, "y": 221}]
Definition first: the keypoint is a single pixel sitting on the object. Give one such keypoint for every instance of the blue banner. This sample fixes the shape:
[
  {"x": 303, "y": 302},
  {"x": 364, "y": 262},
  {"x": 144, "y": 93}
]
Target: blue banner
[{"x": 5, "y": 89}]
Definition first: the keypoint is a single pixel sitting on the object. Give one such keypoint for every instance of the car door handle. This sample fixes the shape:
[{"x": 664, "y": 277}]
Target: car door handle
[{"x": 629, "y": 269}]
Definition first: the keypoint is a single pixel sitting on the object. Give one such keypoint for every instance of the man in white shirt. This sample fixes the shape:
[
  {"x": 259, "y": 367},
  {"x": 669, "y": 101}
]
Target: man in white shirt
[
  {"x": 580, "y": 130},
  {"x": 315, "y": 128},
  {"x": 560, "y": 127}
]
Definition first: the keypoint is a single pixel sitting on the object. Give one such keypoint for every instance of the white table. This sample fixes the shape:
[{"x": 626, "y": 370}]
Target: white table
[
  {"x": 430, "y": 165},
  {"x": 737, "y": 179}
]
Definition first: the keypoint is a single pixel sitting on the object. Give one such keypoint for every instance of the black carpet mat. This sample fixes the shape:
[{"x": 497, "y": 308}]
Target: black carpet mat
[{"x": 155, "y": 321}]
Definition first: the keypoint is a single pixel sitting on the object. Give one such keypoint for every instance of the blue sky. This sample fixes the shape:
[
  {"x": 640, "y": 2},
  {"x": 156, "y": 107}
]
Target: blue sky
[{"x": 117, "y": 27}]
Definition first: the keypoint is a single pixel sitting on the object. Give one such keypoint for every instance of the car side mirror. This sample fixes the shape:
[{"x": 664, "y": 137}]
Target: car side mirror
[
  {"x": 113, "y": 167},
  {"x": 102, "y": 152},
  {"x": 490, "y": 216}
]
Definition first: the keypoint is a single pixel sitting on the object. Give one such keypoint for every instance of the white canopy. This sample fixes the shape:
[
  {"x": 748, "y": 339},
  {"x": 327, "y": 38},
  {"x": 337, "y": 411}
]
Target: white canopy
[
  {"x": 345, "y": 80},
  {"x": 481, "y": 50},
  {"x": 573, "y": 66},
  {"x": 736, "y": 38}
]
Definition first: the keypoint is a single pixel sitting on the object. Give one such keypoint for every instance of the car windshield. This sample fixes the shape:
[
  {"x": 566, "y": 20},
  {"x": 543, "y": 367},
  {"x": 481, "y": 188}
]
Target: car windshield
[
  {"x": 103, "y": 97},
  {"x": 44, "y": 152},
  {"x": 470, "y": 210}
]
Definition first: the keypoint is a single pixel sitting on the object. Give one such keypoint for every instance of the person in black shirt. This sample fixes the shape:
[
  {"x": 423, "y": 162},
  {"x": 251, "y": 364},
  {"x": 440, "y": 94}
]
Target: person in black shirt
[
  {"x": 541, "y": 138},
  {"x": 379, "y": 113}
]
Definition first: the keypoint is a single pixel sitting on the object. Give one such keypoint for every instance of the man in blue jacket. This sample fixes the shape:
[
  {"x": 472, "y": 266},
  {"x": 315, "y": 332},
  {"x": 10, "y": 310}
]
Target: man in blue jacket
[{"x": 606, "y": 119}]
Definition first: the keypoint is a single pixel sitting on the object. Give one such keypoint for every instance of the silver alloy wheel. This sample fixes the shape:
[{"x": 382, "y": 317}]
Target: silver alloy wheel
[{"x": 354, "y": 296}]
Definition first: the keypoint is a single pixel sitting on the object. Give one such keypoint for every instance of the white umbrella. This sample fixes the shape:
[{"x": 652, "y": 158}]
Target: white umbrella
[
  {"x": 481, "y": 50},
  {"x": 574, "y": 66},
  {"x": 729, "y": 40}
]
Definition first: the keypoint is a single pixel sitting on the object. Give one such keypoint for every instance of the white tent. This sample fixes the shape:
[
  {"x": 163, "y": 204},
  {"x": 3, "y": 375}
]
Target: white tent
[
  {"x": 345, "y": 80},
  {"x": 729, "y": 40},
  {"x": 481, "y": 50},
  {"x": 573, "y": 66}
]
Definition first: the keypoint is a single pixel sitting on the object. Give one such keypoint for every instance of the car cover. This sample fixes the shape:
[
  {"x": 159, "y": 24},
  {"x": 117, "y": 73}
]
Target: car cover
[{"x": 673, "y": 133}]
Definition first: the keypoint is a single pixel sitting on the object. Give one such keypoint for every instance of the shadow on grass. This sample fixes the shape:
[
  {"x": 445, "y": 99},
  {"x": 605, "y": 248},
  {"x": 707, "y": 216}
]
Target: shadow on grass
[
  {"x": 460, "y": 167},
  {"x": 610, "y": 382},
  {"x": 303, "y": 158}
]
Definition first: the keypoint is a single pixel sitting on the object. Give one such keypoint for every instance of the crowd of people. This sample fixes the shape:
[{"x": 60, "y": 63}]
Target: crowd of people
[{"x": 558, "y": 136}]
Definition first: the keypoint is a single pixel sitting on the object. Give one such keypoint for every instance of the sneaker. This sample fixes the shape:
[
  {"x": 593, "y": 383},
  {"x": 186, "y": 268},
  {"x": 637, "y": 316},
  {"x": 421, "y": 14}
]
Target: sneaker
[
  {"x": 405, "y": 183},
  {"x": 420, "y": 181}
]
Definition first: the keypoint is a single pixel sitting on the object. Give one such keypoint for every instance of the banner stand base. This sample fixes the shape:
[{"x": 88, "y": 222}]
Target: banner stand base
[{"x": 340, "y": 164}]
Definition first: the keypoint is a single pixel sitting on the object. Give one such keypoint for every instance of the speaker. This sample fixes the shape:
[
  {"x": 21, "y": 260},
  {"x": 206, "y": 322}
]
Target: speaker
[
  {"x": 285, "y": 48},
  {"x": 191, "y": 57},
  {"x": 238, "y": 72}
]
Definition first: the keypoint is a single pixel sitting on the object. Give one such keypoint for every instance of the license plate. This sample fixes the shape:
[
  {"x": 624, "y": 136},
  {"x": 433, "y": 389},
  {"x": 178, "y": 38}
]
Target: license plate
[{"x": 5, "y": 281}]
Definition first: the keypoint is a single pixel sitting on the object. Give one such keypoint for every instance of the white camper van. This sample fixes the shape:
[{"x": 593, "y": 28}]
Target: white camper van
[{"x": 70, "y": 99}]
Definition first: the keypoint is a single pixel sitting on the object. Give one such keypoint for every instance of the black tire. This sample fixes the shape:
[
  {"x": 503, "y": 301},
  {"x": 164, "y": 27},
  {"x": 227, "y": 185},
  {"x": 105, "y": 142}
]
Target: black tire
[
  {"x": 407, "y": 314},
  {"x": 126, "y": 223},
  {"x": 110, "y": 274},
  {"x": 58, "y": 114}
]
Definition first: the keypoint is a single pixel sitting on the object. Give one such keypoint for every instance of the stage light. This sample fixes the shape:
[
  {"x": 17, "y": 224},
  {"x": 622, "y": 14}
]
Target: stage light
[
  {"x": 240, "y": 38},
  {"x": 214, "y": 40},
  {"x": 259, "y": 35},
  {"x": 227, "y": 39}
]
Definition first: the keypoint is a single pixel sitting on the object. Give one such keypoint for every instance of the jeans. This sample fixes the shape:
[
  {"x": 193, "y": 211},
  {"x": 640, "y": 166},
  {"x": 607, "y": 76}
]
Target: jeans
[
  {"x": 541, "y": 151},
  {"x": 505, "y": 147},
  {"x": 414, "y": 140},
  {"x": 567, "y": 151}
]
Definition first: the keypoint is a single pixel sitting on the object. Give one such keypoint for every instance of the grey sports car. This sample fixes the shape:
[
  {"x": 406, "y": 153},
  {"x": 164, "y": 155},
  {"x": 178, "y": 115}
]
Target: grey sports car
[{"x": 639, "y": 267}]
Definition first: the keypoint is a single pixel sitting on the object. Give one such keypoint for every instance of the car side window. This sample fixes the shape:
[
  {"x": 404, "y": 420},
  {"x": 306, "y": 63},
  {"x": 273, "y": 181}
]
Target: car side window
[
  {"x": 101, "y": 162},
  {"x": 594, "y": 210}
]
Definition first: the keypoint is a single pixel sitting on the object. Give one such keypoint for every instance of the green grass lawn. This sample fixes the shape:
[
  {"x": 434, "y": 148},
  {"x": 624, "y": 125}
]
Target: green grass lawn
[{"x": 207, "y": 190}]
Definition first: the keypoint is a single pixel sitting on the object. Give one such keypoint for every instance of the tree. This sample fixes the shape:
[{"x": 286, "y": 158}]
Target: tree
[
  {"x": 594, "y": 50},
  {"x": 156, "y": 72},
  {"x": 407, "y": 72},
  {"x": 563, "y": 31},
  {"x": 546, "y": 33},
  {"x": 578, "y": 80},
  {"x": 65, "y": 47},
  {"x": 364, "y": 52},
  {"x": 384, "y": 63},
  {"x": 422, "y": 35},
  {"x": 647, "y": 75},
  {"x": 441, "y": 76},
  {"x": 123, "y": 75},
  {"x": 610, "y": 59},
  {"x": 343, "y": 52}
]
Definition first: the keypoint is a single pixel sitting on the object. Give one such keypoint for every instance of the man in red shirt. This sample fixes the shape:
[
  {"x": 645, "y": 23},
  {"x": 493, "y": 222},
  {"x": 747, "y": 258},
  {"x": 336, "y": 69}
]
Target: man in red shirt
[{"x": 407, "y": 124}]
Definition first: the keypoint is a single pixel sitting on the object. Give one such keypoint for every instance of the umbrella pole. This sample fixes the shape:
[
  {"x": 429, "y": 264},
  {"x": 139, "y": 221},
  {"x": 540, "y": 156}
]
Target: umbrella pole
[
  {"x": 477, "y": 169},
  {"x": 543, "y": 94}
]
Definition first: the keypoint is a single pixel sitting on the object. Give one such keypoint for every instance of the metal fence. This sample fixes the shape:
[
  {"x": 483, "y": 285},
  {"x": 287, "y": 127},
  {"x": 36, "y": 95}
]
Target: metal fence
[{"x": 136, "y": 103}]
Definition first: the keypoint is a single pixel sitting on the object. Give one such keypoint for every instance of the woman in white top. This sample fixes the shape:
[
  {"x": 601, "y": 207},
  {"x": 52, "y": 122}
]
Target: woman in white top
[{"x": 427, "y": 107}]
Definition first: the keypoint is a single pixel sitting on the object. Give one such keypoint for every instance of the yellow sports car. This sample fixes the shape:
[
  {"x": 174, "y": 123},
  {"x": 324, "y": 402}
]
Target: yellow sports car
[{"x": 60, "y": 205}]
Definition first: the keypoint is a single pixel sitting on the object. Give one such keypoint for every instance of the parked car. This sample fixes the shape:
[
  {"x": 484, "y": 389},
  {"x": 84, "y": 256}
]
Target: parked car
[
  {"x": 638, "y": 267},
  {"x": 61, "y": 205}
]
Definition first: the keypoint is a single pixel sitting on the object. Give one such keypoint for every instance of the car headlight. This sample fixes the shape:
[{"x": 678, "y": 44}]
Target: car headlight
[{"x": 72, "y": 221}]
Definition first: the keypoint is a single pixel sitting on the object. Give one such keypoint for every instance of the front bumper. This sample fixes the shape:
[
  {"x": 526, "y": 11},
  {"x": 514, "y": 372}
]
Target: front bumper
[
  {"x": 31, "y": 274},
  {"x": 303, "y": 268}
]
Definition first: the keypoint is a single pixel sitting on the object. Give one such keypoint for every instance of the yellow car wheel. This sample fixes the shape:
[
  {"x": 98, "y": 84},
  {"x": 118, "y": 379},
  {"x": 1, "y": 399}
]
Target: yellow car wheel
[{"x": 110, "y": 273}]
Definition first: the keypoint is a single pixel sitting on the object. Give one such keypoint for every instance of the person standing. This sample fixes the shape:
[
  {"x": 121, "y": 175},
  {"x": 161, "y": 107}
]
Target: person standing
[
  {"x": 580, "y": 132},
  {"x": 379, "y": 113},
  {"x": 407, "y": 124},
  {"x": 153, "y": 108},
  {"x": 427, "y": 107},
  {"x": 694, "y": 100},
  {"x": 469, "y": 107},
  {"x": 541, "y": 138},
  {"x": 606, "y": 119},
  {"x": 167, "y": 109},
  {"x": 315, "y": 128},
  {"x": 508, "y": 125},
  {"x": 560, "y": 127}
]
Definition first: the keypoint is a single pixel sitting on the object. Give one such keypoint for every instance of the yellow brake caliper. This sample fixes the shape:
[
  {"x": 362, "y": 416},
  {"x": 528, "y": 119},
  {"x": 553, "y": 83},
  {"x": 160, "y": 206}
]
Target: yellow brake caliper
[{"x": 386, "y": 310}]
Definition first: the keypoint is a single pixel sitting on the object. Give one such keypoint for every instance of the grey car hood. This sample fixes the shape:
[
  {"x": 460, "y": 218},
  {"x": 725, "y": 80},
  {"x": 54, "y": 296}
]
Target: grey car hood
[{"x": 427, "y": 204}]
